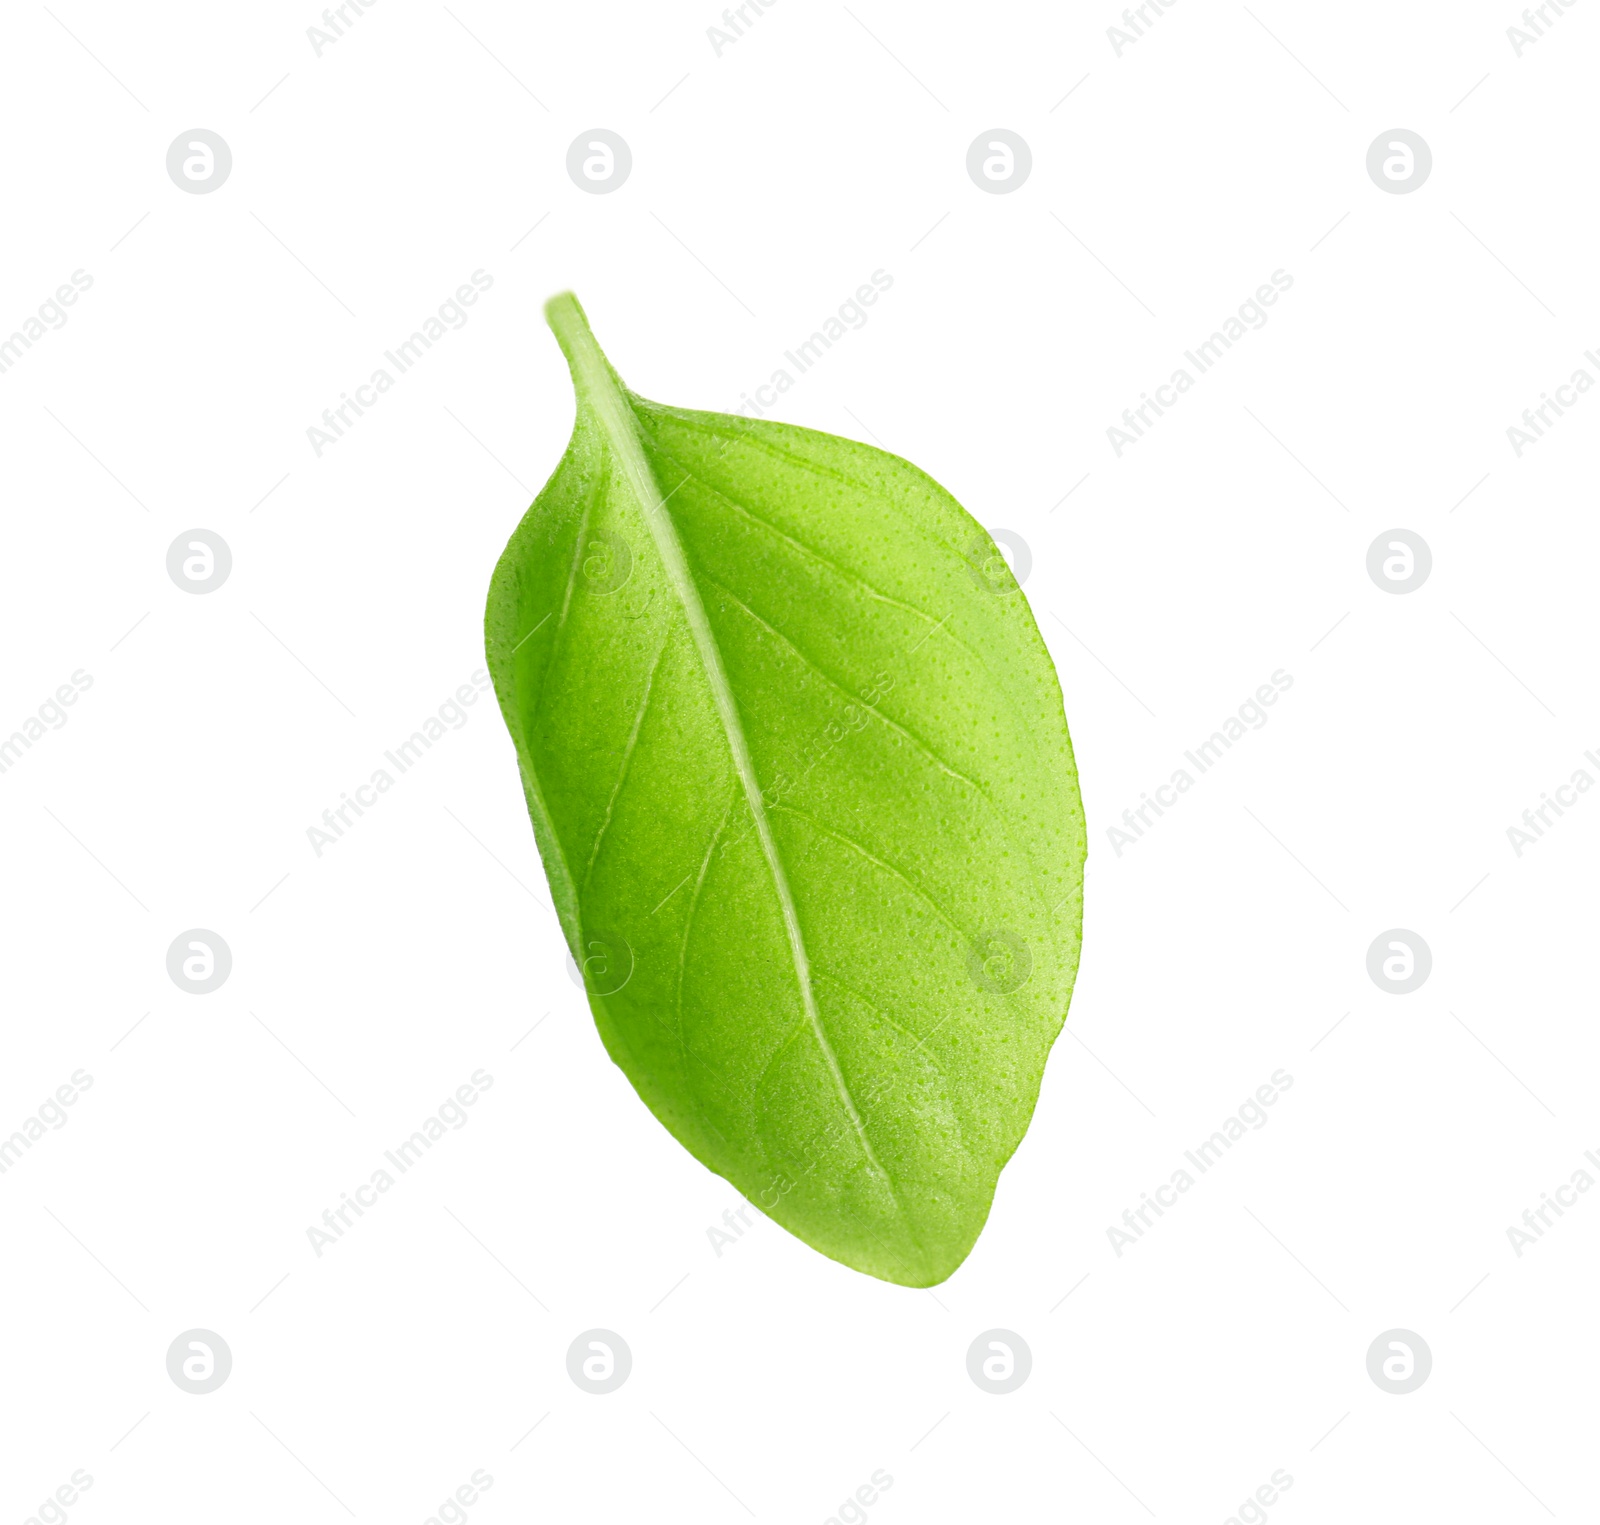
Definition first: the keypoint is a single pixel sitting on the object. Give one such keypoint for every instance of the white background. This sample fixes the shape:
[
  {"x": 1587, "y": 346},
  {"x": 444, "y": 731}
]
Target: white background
[{"x": 768, "y": 183}]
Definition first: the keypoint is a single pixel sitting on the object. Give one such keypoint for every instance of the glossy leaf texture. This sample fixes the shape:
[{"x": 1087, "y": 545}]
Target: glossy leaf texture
[{"x": 799, "y": 772}]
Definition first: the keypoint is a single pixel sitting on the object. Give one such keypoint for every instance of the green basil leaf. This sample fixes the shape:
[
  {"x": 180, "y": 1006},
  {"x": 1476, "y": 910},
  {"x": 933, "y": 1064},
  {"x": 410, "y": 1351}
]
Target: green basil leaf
[{"x": 799, "y": 773}]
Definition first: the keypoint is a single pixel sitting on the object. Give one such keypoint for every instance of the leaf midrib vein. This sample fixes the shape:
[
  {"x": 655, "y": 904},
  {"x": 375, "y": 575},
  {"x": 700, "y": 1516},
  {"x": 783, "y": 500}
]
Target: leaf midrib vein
[{"x": 620, "y": 425}]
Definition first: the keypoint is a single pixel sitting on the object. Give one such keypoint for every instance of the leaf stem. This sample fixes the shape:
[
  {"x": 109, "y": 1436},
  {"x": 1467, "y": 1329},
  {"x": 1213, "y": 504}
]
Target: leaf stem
[{"x": 591, "y": 371}]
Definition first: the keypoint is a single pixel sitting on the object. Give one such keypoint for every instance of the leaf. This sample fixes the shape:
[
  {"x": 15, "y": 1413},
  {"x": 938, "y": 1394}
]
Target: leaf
[{"x": 798, "y": 770}]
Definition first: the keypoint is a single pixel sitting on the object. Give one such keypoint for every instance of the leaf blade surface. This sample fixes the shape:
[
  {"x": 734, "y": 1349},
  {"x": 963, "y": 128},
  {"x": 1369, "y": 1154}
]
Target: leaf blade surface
[{"x": 796, "y": 761}]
